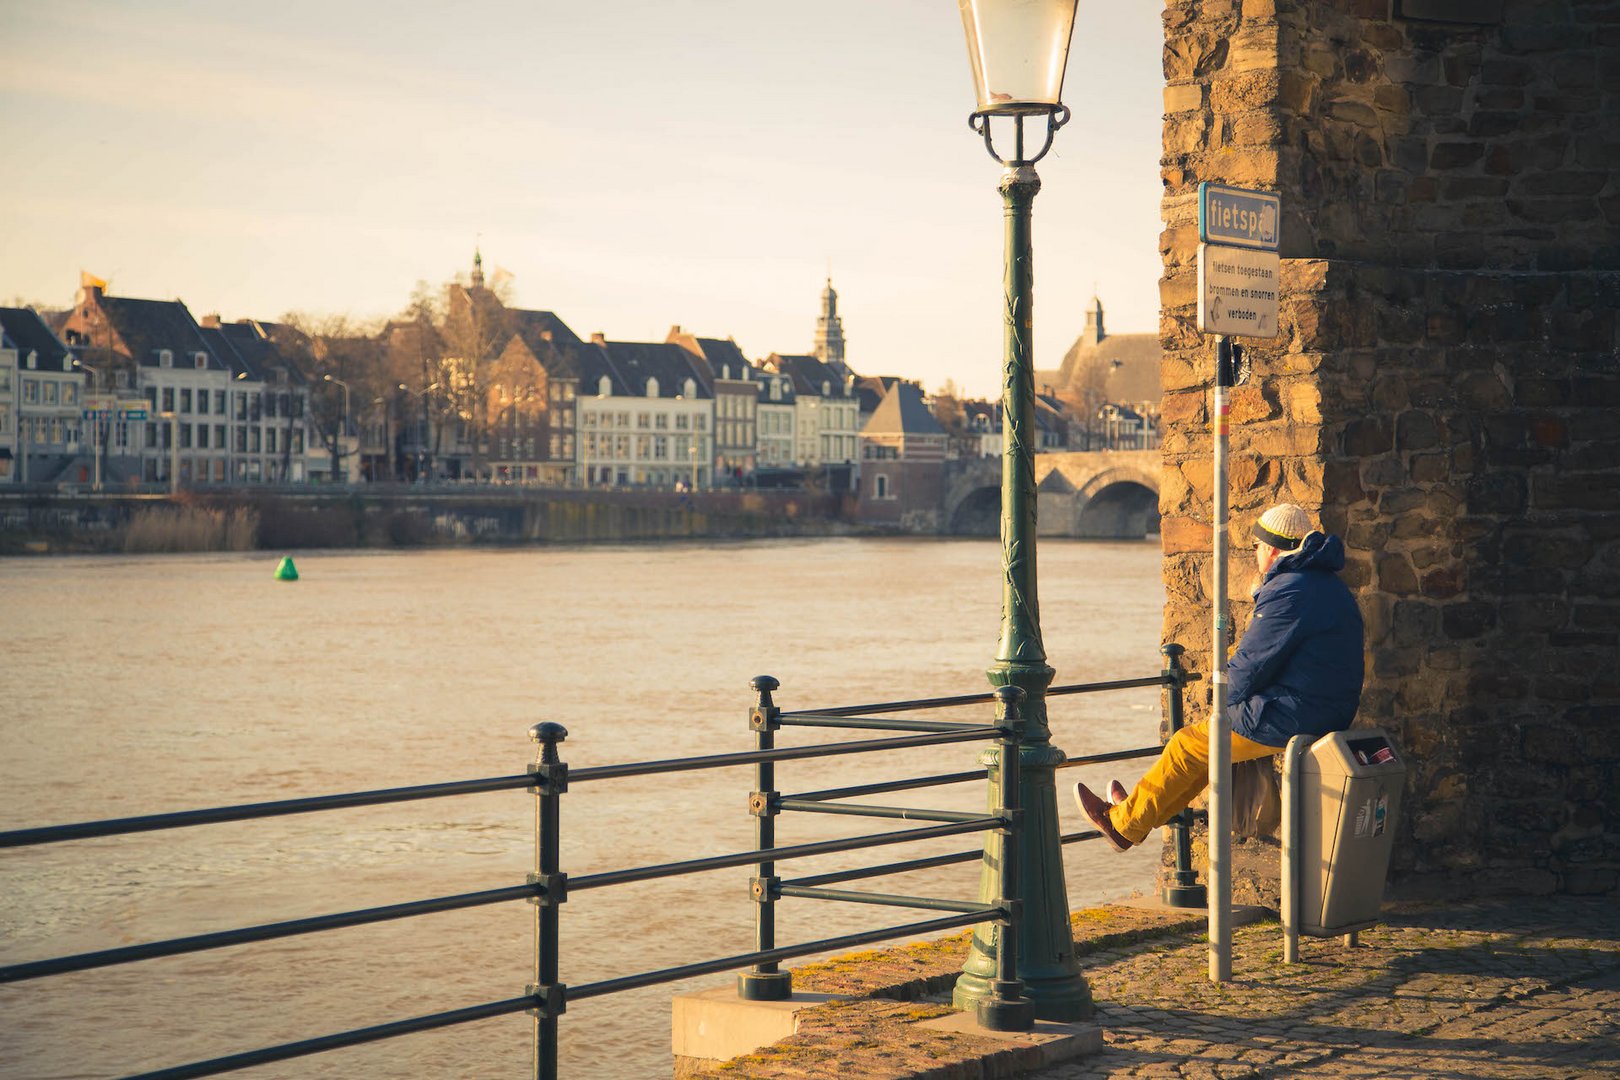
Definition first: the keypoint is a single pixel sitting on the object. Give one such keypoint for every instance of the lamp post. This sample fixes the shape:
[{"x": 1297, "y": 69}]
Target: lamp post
[
  {"x": 422, "y": 460},
  {"x": 1018, "y": 50},
  {"x": 174, "y": 450},
  {"x": 343, "y": 425},
  {"x": 95, "y": 422}
]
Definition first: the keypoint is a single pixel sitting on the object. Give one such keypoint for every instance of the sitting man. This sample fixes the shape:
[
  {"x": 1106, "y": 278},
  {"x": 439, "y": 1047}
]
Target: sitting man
[{"x": 1298, "y": 671}]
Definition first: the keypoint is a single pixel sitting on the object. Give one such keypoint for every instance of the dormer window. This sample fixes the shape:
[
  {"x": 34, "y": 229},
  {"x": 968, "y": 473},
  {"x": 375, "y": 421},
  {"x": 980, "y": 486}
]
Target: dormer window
[
  {"x": 604, "y": 387},
  {"x": 652, "y": 387},
  {"x": 725, "y": 371},
  {"x": 690, "y": 388},
  {"x": 776, "y": 390},
  {"x": 165, "y": 358},
  {"x": 33, "y": 359},
  {"x": 826, "y": 388},
  {"x": 201, "y": 360}
]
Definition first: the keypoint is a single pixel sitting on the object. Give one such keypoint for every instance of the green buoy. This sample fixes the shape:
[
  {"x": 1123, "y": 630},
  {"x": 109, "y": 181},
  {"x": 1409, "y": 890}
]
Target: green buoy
[{"x": 285, "y": 570}]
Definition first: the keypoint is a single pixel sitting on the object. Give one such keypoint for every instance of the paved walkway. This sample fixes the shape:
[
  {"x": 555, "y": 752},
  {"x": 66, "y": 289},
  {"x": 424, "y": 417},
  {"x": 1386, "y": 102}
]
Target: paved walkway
[
  {"x": 1500, "y": 990},
  {"x": 1507, "y": 990}
]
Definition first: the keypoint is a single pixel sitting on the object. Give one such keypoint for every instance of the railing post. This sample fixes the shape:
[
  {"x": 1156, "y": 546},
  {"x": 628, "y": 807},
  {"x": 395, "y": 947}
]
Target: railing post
[
  {"x": 764, "y": 982},
  {"x": 551, "y": 996},
  {"x": 1006, "y": 1008},
  {"x": 1184, "y": 892}
]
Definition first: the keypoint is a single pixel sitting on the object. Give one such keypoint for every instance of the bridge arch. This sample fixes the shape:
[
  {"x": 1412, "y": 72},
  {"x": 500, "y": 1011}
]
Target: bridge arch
[{"x": 1094, "y": 494}]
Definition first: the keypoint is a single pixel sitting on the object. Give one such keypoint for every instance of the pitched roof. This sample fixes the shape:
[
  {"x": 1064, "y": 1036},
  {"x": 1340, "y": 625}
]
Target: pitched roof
[
  {"x": 147, "y": 326},
  {"x": 809, "y": 375},
  {"x": 1129, "y": 362},
  {"x": 634, "y": 362},
  {"x": 766, "y": 379},
  {"x": 903, "y": 413},
  {"x": 24, "y": 330},
  {"x": 535, "y": 326}
]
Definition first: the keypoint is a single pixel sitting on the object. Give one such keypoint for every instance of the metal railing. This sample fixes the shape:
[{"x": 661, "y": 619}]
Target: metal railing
[{"x": 548, "y": 887}]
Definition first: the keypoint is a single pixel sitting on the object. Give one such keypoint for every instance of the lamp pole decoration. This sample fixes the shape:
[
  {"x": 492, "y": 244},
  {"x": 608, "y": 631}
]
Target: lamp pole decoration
[
  {"x": 1239, "y": 273},
  {"x": 1018, "y": 50}
]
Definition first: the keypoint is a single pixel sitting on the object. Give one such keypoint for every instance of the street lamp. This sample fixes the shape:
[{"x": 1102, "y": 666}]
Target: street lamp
[
  {"x": 95, "y": 421},
  {"x": 1019, "y": 50},
  {"x": 343, "y": 425},
  {"x": 422, "y": 462}
]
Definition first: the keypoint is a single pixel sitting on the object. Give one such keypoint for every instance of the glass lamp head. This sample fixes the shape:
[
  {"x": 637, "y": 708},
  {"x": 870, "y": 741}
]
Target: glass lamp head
[{"x": 1019, "y": 50}]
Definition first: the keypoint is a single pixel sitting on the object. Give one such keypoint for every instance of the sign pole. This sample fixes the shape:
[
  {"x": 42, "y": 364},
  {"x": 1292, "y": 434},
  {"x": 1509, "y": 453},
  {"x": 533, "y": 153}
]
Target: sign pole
[
  {"x": 1239, "y": 283},
  {"x": 1220, "y": 732}
]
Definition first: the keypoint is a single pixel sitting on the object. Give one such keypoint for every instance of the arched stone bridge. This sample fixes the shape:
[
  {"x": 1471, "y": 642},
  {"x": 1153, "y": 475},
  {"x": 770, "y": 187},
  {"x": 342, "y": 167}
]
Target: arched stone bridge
[{"x": 1098, "y": 494}]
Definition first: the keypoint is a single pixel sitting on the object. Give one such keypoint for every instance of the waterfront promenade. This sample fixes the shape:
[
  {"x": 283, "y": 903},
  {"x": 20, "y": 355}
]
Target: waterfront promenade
[{"x": 1504, "y": 989}]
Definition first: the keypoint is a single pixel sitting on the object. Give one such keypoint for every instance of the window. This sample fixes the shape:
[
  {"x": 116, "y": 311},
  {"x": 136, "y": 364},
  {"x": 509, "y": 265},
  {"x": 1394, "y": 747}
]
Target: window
[
  {"x": 168, "y": 399},
  {"x": 70, "y": 393},
  {"x": 50, "y": 393},
  {"x": 33, "y": 360},
  {"x": 270, "y": 441},
  {"x": 881, "y": 485},
  {"x": 663, "y": 421},
  {"x": 298, "y": 440},
  {"x": 690, "y": 389},
  {"x": 661, "y": 447},
  {"x": 219, "y": 402},
  {"x": 185, "y": 436},
  {"x": 700, "y": 422},
  {"x": 254, "y": 440},
  {"x": 202, "y": 402},
  {"x": 241, "y": 440},
  {"x": 200, "y": 361},
  {"x": 185, "y": 400},
  {"x": 219, "y": 438},
  {"x": 643, "y": 420},
  {"x": 682, "y": 422},
  {"x": 30, "y": 389},
  {"x": 652, "y": 387},
  {"x": 644, "y": 446},
  {"x": 604, "y": 387},
  {"x": 121, "y": 380},
  {"x": 165, "y": 358}
]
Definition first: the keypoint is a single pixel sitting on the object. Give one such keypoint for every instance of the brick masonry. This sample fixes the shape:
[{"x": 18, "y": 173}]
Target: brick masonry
[{"x": 1446, "y": 395}]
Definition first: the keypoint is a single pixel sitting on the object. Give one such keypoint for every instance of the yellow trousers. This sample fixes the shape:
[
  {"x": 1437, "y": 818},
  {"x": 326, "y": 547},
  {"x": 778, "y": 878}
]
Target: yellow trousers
[{"x": 1181, "y": 772}]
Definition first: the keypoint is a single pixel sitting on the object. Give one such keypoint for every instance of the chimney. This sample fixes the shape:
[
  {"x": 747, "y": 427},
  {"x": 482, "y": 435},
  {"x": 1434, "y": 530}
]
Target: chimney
[
  {"x": 598, "y": 337},
  {"x": 211, "y": 321}
]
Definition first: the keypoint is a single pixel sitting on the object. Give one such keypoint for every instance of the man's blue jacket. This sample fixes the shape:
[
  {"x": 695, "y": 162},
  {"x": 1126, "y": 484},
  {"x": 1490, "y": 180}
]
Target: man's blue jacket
[{"x": 1298, "y": 669}]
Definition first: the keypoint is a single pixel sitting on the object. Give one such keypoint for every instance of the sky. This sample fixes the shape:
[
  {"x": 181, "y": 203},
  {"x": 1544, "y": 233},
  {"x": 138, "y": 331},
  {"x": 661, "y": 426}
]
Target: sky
[{"x": 630, "y": 165}]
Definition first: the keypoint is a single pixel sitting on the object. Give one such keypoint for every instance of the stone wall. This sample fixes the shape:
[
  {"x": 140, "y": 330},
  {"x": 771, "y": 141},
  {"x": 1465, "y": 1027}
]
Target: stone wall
[{"x": 1446, "y": 394}]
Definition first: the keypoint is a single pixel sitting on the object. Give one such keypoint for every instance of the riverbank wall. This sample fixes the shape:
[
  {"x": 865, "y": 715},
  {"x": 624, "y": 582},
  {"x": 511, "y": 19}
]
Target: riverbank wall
[{"x": 342, "y": 518}]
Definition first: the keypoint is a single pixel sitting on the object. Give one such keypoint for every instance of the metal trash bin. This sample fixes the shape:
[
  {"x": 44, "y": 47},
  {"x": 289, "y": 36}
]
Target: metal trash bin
[{"x": 1341, "y": 797}]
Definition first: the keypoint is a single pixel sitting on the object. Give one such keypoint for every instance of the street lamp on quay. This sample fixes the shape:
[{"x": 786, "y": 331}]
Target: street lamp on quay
[
  {"x": 95, "y": 421},
  {"x": 343, "y": 425},
  {"x": 1019, "y": 50},
  {"x": 422, "y": 462}
]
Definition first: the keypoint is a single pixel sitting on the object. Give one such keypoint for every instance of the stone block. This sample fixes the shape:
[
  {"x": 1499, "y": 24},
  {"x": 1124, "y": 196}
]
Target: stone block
[
  {"x": 1183, "y": 97},
  {"x": 717, "y": 1025}
]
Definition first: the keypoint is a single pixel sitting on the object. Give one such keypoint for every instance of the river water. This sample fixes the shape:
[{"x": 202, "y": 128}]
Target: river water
[{"x": 146, "y": 684}]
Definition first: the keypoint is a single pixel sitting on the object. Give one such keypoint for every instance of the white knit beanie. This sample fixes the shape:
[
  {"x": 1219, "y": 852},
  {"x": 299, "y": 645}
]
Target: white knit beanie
[{"x": 1283, "y": 526}]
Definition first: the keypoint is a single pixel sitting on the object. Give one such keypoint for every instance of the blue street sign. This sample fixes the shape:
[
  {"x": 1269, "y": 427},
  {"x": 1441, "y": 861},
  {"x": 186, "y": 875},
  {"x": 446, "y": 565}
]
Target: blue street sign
[{"x": 1238, "y": 217}]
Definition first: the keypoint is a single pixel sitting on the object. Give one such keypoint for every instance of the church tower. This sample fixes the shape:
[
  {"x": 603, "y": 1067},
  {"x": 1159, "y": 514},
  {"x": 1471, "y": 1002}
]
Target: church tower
[
  {"x": 1093, "y": 333},
  {"x": 478, "y": 269},
  {"x": 829, "y": 348}
]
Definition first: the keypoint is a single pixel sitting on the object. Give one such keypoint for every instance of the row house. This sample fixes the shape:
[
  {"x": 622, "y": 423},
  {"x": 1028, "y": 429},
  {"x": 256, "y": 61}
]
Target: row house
[
  {"x": 735, "y": 391},
  {"x": 212, "y": 416},
  {"x": 778, "y": 405},
  {"x": 41, "y": 400},
  {"x": 644, "y": 416},
  {"x": 826, "y": 415}
]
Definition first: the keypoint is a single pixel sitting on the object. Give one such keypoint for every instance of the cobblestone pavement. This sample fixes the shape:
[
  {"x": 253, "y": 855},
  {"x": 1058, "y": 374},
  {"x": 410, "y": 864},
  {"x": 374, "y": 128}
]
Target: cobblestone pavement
[{"x": 1507, "y": 990}]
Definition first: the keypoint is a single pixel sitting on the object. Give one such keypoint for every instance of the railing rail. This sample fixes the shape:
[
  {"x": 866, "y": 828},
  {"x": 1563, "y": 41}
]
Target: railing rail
[{"x": 548, "y": 887}]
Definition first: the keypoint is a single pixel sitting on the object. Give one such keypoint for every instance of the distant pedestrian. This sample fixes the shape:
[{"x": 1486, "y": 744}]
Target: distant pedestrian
[{"x": 1298, "y": 671}]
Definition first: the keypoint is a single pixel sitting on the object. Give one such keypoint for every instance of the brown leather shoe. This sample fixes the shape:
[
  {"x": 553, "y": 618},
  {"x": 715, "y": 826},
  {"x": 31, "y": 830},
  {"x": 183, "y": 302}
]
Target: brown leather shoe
[
  {"x": 1097, "y": 810},
  {"x": 1117, "y": 793}
]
